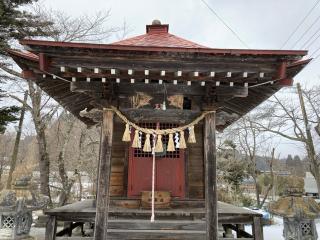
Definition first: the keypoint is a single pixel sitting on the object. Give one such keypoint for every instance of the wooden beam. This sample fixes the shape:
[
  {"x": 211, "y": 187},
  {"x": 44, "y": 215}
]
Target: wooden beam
[
  {"x": 211, "y": 197},
  {"x": 158, "y": 89},
  {"x": 43, "y": 62},
  {"x": 179, "y": 116},
  {"x": 102, "y": 208},
  {"x": 132, "y": 89},
  {"x": 172, "y": 64},
  {"x": 28, "y": 74},
  {"x": 235, "y": 91}
]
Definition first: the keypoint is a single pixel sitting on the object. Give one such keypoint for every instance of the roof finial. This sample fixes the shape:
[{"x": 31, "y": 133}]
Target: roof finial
[
  {"x": 156, "y": 22},
  {"x": 157, "y": 27}
]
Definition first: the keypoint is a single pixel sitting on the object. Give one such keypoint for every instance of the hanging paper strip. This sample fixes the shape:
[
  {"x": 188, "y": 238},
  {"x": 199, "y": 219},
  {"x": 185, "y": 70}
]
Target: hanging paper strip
[
  {"x": 192, "y": 136},
  {"x": 135, "y": 142},
  {"x": 171, "y": 147},
  {"x": 126, "y": 135},
  {"x": 176, "y": 135},
  {"x": 183, "y": 144},
  {"x": 159, "y": 145},
  {"x": 147, "y": 144}
]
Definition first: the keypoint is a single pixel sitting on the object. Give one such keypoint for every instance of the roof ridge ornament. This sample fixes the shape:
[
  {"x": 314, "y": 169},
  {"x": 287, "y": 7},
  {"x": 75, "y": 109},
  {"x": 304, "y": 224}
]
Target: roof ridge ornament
[
  {"x": 157, "y": 27},
  {"x": 156, "y": 22}
]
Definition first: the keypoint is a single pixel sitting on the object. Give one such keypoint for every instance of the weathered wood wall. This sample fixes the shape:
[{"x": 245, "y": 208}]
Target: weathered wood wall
[
  {"x": 195, "y": 165},
  {"x": 118, "y": 172}
]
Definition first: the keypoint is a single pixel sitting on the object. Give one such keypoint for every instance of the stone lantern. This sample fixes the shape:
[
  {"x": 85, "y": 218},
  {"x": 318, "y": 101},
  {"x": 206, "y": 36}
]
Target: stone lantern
[
  {"x": 298, "y": 212},
  {"x": 16, "y": 208}
]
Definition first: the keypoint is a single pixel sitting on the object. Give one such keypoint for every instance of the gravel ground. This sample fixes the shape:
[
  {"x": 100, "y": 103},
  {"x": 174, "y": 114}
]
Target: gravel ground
[{"x": 37, "y": 233}]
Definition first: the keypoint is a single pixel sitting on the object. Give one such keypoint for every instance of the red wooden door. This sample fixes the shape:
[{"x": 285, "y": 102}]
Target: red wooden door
[{"x": 170, "y": 169}]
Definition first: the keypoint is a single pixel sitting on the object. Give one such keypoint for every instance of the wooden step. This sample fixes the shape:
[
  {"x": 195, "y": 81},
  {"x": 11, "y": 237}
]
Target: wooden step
[
  {"x": 121, "y": 234},
  {"x": 196, "y": 225},
  {"x": 170, "y": 214},
  {"x": 156, "y": 234}
]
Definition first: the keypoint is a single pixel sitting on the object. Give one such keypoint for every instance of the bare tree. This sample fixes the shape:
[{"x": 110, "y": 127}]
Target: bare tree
[
  {"x": 271, "y": 184},
  {"x": 42, "y": 113},
  {"x": 63, "y": 135},
  {"x": 248, "y": 141},
  {"x": 42, "y": 108},
  {"x": 6, "y": 143},
  {"x": 88, "y": 28},
  {"x": 292, "y": 119},
  {"x": 17, "y": 141}
]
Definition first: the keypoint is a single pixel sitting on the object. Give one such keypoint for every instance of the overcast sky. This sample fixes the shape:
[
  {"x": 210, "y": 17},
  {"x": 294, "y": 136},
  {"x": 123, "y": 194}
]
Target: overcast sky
[{"x": 260, "y": 24}]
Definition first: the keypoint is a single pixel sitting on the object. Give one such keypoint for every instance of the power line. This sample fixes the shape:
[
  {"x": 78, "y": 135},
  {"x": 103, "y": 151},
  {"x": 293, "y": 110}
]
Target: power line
[
  {"x": 305, "y": 44},
  {"x": 225, "y": 24},
  {"x": 313, "y": 41},
  {"x": 314, "y": 52},
  {"x": 299, "y": 25},
  {"x": 305, "y": 32}
]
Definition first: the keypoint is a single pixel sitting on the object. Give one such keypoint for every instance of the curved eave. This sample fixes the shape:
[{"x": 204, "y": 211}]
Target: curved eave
[
  {"x": 213, "y": 51},
  {"x": 27, "y": 60},
  {"x": 26, "y": 55},
  {"x": 256, "y": 95}
]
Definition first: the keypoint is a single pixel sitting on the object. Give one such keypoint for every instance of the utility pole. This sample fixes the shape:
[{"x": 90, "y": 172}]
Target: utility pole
[
  {"x": 17, "y": 141},
  {"x": 309, "y": 140},
  {"x": 314, "y": 166}
]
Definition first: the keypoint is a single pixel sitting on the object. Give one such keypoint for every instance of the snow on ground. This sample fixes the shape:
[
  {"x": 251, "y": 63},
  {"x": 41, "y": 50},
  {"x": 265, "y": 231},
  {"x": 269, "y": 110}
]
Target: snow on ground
[{"x": 274, "y": 232}]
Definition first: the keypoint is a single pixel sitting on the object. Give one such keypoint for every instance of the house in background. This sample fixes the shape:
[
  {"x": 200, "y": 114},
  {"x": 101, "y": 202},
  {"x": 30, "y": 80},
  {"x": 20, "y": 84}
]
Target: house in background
[{"x": 310, "y": 185}]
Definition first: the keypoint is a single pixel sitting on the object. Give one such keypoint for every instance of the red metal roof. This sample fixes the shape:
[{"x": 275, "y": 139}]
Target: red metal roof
[
  {"x": 158, "y": 36},
  {"x": 213, "y": 51},
  {"x": 24, "y": 54}
]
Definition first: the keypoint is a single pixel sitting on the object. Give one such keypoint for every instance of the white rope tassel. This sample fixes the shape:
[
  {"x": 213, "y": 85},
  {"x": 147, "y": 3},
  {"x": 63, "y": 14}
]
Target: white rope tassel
[{"x": 153, "y": 176}]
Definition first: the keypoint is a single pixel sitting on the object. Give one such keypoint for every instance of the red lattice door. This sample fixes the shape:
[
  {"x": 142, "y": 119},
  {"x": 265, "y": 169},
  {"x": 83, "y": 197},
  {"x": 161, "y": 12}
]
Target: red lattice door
[{"x": 170, "y": 169}]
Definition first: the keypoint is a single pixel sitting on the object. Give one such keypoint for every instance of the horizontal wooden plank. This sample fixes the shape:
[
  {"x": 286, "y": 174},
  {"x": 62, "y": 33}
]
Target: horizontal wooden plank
[
  {"x": 196, "y": 183},
  {"x": 118, "y": 161},
  {"x": 157, "y": 225},
  {"x": 116, "y": 190},
  {"x": 156, "y": 234},
  {"x": 87, "y": 206},
  {"x": 116, "y": 179},
  {"x": 117, "y": 168},
  {"x": 170, "y": 115},
  {"x": 125, "y": 88}
]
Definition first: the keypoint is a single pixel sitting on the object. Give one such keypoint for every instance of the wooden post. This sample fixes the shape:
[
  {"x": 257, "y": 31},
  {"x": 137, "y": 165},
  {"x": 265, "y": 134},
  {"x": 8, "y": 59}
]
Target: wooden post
[
  {"x": 51, "y": 228},
  {"x": 211, "y": 196},
  {"x": 102, "y": 207},
  {"x": 257, "y": 229}
]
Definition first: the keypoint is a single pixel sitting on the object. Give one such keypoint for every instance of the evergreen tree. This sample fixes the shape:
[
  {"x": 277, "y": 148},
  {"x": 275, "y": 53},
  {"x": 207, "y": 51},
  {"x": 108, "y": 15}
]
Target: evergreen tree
[
  {"x": 15, "y": 24},
  {"x": 18, "y": 24},
  {"x": 289, "y": 161}
]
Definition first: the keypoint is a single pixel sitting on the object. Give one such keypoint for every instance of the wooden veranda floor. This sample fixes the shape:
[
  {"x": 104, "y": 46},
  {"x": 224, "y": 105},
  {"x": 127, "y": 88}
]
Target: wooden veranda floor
[{"x": 185, "y": 220}]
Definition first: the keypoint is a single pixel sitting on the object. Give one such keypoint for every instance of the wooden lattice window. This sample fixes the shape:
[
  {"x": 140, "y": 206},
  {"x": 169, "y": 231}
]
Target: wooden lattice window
[{"x": 165, "y": 154}]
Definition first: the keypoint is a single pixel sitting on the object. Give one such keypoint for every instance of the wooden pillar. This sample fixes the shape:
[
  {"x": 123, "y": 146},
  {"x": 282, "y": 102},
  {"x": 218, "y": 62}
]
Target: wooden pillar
[
  {"x": 51, "y": 228},
  {"x": 211, "y": 196},
  {"x": 102, "y": 206},
  {"x": 257, "y": 229}
]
